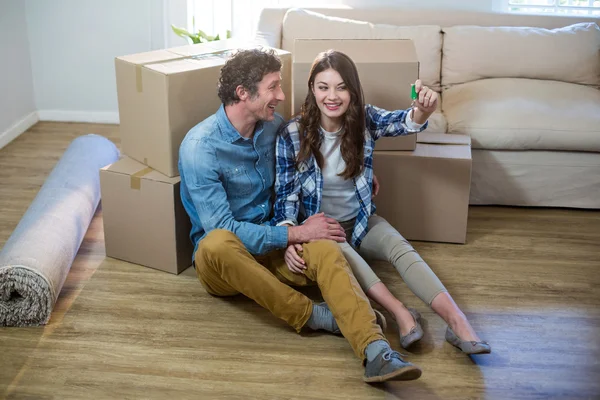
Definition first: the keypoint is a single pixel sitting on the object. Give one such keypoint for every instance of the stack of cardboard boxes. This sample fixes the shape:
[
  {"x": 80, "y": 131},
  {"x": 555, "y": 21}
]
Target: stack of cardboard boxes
[
  {"x": 425, "y": 178},
  {"x": 162, "y": 95}
]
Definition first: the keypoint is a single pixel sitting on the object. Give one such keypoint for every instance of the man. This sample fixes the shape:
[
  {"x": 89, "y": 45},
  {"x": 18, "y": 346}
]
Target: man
[{"x": 227, "y": 172}]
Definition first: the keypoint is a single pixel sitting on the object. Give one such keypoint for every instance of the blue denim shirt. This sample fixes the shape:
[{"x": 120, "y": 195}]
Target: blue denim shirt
[{"x": 227, "y": 182}]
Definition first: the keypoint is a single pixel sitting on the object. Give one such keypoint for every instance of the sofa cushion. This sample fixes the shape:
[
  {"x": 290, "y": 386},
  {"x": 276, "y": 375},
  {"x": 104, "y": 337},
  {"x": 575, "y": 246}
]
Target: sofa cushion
[
  {"x": 569, "y": 54},
  {"x": 303, "y": 24},
  {"x": 437, "y": 123},
  {"x": 525, "y": 114}
]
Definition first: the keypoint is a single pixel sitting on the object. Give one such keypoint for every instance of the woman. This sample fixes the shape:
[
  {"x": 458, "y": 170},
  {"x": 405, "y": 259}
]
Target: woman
[{"x": 324, "y": 164}]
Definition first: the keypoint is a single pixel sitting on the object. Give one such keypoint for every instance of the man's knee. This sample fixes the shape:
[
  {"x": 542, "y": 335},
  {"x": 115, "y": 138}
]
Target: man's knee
[
  {"x": 323, "y": 247},
  {"x": 325, "y": 254},
  {"x": 216, "y": 243}
]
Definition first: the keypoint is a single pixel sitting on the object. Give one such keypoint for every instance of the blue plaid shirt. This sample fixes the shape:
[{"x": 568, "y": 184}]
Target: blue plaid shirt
[{"x": 299, "y": 186}]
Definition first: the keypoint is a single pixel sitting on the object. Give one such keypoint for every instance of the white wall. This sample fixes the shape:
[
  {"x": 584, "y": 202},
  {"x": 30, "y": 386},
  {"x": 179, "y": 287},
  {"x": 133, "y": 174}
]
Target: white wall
[
  {"x": 17, "y": 107},
  {"x": 73, "y": 47}
]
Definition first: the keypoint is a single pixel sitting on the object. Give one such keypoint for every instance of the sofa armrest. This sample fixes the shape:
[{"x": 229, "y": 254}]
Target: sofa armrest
[{"x": 270, "y": 25}]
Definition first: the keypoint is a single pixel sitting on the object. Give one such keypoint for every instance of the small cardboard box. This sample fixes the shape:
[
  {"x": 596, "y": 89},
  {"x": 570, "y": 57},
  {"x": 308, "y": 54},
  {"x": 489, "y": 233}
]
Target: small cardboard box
[
  {"x": 425, "y": 193},
  {"x": 387, "y": 68},
  {"x": 144, "y": 220},
  {"x": 162, "y": 94}
]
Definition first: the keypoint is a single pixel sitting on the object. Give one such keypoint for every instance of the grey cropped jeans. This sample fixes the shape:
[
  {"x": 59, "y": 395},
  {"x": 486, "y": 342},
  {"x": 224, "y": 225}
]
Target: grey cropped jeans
[{"x": 385, "y": 243}]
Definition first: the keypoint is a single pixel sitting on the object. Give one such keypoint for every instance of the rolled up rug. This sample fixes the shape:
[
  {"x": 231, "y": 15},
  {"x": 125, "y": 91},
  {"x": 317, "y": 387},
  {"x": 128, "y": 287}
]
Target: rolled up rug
[{"x": 36, "y": 259}]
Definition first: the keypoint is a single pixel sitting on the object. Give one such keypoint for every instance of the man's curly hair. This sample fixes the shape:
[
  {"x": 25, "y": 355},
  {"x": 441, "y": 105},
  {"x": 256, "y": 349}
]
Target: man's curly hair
[{"x": 246, "y": 68}]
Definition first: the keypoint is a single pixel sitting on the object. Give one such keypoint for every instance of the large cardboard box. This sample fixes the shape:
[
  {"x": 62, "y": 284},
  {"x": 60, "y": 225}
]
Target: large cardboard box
[
  {"x": 162, "y": 94},
  {"x": 144, "y": 220},
  {"x": 387, "y": 68},
  {"x": 425, "y": 193}
]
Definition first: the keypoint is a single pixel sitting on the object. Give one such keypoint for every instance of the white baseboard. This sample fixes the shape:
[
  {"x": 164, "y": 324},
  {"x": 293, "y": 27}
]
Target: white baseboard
[
  {"x": 97, "y": 117},
  {"x": 18, "y": 128}
]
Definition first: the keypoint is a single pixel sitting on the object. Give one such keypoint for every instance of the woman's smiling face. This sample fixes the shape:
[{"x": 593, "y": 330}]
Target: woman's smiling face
[{"x": 331, "y": 95}]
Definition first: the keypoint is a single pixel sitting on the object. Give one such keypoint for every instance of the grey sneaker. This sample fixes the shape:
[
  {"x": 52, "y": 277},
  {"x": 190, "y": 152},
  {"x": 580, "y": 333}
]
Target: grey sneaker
[
  {"x": 389, "y": 366},
  {"x": 381, "y": 321},
  {"x": 466, "y": 346},
  {"x": 415, "y": 334}
]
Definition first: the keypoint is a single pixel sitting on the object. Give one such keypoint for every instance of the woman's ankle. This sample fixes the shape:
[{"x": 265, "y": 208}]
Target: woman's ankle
[
  {"x": 404, "y": 319},
  {"x": 463, "y": 328}
]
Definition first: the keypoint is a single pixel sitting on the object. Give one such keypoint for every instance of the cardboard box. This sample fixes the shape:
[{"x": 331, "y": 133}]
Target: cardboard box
[
  {"x": 387, "y": 68},
  {"x": 162, "y": 94},
  {"x": 425, "y": 193},
  {"x": 144, "y": 220}
]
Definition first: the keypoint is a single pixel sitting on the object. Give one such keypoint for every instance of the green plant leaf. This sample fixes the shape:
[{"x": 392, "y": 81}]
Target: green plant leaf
[
  {"x": 200, "y": 36},
  {"x": 182, "y": 32},
  {"x": 203, "y": 35}
]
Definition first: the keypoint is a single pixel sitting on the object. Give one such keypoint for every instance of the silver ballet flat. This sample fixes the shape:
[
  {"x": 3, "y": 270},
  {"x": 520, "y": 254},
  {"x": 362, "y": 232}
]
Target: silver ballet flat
[{"x": 466, "y": 346}]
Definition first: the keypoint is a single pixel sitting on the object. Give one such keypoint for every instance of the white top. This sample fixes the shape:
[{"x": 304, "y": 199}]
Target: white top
[
  {"x": 339, "y": 198},
  {"x": 339, "y": 195}
]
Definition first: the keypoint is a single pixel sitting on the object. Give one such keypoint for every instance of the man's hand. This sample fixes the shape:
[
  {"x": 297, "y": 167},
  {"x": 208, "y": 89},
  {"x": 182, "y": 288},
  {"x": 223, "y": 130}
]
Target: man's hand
[
  {"x": 294, "y": 262},
  {"x": 375, "y": 186},
  {"x": 316, "y": 227}
]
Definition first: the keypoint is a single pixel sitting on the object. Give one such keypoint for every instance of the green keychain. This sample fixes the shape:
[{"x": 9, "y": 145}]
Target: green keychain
[{"x": 413, "y": 94}]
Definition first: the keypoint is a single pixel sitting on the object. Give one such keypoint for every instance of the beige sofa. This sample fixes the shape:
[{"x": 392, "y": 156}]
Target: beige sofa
[{"x": 526, "y": 92}]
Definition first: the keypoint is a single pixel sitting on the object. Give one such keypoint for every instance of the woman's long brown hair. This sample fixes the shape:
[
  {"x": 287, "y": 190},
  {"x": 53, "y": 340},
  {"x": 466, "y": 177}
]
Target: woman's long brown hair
[{"x": 353, "y": 123}]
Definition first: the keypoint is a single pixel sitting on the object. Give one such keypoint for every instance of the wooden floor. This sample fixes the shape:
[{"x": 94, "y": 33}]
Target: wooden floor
[{"x": 529, "y": 280}]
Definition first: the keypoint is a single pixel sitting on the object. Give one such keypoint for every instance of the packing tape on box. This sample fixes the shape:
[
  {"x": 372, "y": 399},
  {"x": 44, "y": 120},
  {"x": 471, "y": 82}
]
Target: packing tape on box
[
  {"x": 138, "y": 67},
  {"x": 138, "y": 78},
  {"x": 215, "y": 54},
  {"x": 136, "y": 179}
]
